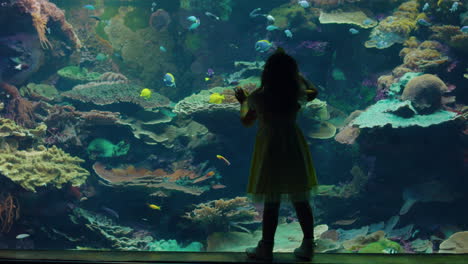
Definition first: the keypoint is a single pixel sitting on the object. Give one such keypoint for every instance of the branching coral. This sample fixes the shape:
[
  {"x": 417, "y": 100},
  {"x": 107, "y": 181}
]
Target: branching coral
[
  {"x": 9, "y": 212},
  {"x": 41, "y": 12},
  {"x": 220, "y": 215}
]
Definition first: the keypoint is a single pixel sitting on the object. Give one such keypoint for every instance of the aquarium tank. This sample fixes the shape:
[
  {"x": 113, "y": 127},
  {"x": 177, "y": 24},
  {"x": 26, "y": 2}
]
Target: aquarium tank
[{"x": 120, "y": 128}]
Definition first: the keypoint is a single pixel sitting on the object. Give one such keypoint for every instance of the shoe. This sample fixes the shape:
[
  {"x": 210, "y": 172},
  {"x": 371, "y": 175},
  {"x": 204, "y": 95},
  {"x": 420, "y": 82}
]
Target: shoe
[
  {"x": 306, "y": 250},
  {"x": 263, "y": 251}
]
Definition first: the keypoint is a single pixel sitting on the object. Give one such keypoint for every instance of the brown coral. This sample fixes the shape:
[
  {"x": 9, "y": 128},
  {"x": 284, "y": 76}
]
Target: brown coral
[
  {"x": 9, "y": 212},
  {"x": 425, "y": 93},
  {"x": 17, "y": 108},
  {"x": 41, "y": 11}
]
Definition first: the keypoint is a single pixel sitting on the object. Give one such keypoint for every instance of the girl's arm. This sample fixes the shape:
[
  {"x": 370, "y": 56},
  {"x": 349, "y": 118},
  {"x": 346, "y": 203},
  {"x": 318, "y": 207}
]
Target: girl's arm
[
  {"x": 248, "y": 116},
  {"x": 311, "y": 90}
]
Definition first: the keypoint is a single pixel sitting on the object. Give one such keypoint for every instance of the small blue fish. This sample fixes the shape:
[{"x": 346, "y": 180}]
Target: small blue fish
[
  {"x": 423, "y": 22},
  {"x": 425, "y": 7},
  {"x": 271, "y": 28},
  {"x": 254, "y": 12},
  {"x": 169, "y": 80},
  {"x": 454, "y": 7},
  {"x": 353, "y": 31},
  {"x": 288, "y": 33},
  {"x": 304, "y": 4},
  {"x": 192, "y": 18},
  {"x": 162, "y": 48},
  {"x": 263, "y": 45},
  {"x": 464, "y": 29},
  {"x": 195, "y": 25},
  {"x": 89, "y": 7}
]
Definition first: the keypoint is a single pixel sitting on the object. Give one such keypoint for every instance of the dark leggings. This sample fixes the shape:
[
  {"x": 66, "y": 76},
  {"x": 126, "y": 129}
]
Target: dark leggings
[{"x": 270, "y": 219}]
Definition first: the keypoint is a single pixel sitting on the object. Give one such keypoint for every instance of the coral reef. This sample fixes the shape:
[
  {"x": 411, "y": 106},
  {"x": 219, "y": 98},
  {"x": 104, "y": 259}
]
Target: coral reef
[
  {"x": 294, "y": 16},
  {"x": 160, "y": 20},
  {"x": 157, "y": 182},
  {"x": 17, "y": 108},
  {"x": 115, "y": 236},
  {"x": 39, "y": 92},
  {"x": 425, "y": 56},
  {"x": 350, "y": 189},
  {"x": 110, "y": 92},
  {"x": 41, "y": 167},
  {"x": 452, "y": 36},
  {"x": 352, "y": 17},
  {"x": 425, "y": 93},
  {"x": 74, "y": 75},
  {"x": 395, "y": 28},
  {"x": 41, "y": 12},
  {"x": 220, "y": 215},
  {"x": 456, "y": 244}
]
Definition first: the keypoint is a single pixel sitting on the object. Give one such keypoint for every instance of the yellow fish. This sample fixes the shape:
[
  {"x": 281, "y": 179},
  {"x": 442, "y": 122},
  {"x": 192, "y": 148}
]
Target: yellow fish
[
  {"x": 216, "y": 98},
  {"x": 146, "y": 93},
  {"x": 154, "y": 207},
  {"x": 223, "y": 159},
  {"x": 439, "y": 2}
]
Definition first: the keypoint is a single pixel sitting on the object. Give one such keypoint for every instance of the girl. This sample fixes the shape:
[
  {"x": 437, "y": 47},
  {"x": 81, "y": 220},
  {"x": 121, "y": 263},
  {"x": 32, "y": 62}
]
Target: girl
[{"x": 281, "y": 168}]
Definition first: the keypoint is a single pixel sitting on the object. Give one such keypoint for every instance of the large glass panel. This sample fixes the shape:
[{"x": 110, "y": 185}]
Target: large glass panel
[{"x": 120, "y": 126}]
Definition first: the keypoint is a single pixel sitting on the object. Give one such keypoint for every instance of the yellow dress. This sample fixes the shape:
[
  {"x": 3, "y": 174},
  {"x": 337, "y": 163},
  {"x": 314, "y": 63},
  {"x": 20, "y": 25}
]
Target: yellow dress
[{"x": 281, "y": 167}]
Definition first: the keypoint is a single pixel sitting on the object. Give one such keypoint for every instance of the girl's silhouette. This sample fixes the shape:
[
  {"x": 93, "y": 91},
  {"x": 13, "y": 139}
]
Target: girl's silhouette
[{"x": 281, "y": 168}]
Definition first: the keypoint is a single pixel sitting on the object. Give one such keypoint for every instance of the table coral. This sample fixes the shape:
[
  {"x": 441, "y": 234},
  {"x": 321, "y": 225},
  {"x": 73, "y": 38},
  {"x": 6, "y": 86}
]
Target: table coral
[
  {"x": 352, "y": 17},
  {"x": 41, "y": 167},
  {"x": 157, "y": 182},
  {"x": 41, "y": 12}
]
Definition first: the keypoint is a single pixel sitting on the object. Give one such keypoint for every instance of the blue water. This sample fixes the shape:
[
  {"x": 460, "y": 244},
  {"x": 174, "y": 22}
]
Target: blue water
[{"x": 138, "y": 98}]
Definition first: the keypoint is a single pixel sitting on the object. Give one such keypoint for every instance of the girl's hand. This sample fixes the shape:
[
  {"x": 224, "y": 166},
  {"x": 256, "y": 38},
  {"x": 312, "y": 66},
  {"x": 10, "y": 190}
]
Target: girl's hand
[{"x": 241, "y": 94}]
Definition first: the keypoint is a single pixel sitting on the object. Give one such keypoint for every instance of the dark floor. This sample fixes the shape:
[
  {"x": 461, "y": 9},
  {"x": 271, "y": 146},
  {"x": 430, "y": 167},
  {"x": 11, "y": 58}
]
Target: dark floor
[{"x": 12, "y": 256}]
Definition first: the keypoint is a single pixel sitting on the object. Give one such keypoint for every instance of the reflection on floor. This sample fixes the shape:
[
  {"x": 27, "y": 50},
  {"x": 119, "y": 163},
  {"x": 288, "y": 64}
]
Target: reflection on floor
[{"x": 12, "y": 256}]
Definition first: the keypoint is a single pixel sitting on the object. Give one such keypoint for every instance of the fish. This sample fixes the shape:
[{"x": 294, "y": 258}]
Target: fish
[
  {"x": 22, "y": 236},
  {"x": 224, "y": 159},
  {"x": 270, "y": 18},
  {"x": 194, "y": 25},
  {"x": 95, "y": 17},
  {"x": 146, "y": 93},
  {"x": 154, "y": 207},
  {"x": 254, "y": 12},
  {"x": 464, "y": 29},
  {"x": 425, "y": 7},
  {"x": 101, "y": 57},
  {"x": 304, "y": 4},
  {"x": 218, "y": 186},
  {"x": 89, "y": 7},
  {"x": 48, "y": 30},
  {"x": 216, "y": 98},
  {"x": 205, "y": 177},
  {"x": 271, "y": 28},
  {"x": 353, "y": 31},
  {"x": 423, "y": 22},
  {"x": 345, "y": 222},
  {"x": 288, "y": 33},
  {"x": 111, "y": 212},
  {"x": 162, "y": 48},
  {"x": 439, "y": 2},
  {"x": 263, "y": 45},
  {"x": 454, "y": 7},
  {"x": 192, "y": 18},
  {"x": 153, "y": 6},
  {"x": 169, "y": 80},
  {"x": 209, "y": 74},
  {"x": 212, "y": 15}
]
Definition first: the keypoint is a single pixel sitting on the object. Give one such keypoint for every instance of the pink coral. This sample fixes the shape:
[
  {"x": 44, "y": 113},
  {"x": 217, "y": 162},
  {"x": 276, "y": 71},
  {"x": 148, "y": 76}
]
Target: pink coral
[{"x": 41, "y": 11}]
